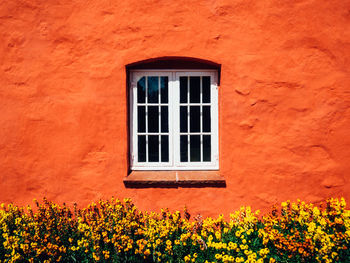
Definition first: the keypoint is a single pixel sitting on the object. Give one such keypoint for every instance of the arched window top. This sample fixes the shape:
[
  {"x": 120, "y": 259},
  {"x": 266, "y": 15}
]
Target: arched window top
[{"x": 175, "y": 63}]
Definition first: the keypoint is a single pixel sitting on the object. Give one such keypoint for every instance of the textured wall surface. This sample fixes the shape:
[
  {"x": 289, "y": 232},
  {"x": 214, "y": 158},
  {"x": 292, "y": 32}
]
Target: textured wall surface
[{"x": 284, "y": 99}]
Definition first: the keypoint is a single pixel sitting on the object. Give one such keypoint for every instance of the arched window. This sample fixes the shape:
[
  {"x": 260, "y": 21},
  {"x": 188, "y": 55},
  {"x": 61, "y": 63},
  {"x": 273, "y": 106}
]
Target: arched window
[{"x": 174, "y": 114}]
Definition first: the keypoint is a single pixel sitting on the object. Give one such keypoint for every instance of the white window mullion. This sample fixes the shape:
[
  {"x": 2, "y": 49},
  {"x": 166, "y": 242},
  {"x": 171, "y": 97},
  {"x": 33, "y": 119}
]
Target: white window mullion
[
  {"x": 201, "y": 117},
  {"x": 146, "y": 112},
  {"x": 188, "y": 120},
  {"x": 159, "y": 124},
  {"x": 174, "y": 123}
]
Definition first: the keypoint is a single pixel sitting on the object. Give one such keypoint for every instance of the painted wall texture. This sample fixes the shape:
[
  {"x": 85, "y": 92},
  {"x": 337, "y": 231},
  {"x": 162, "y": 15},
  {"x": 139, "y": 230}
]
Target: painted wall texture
[{"x": 284, "y": 98}]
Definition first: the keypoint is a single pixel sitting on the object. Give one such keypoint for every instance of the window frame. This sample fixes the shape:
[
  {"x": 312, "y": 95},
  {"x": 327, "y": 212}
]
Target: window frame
[{"x": 174, "y": 120}]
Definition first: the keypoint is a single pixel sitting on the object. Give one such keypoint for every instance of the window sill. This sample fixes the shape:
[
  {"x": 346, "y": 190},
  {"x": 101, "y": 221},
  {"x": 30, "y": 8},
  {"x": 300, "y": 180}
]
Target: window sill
[{"x": 147, "y": 179}]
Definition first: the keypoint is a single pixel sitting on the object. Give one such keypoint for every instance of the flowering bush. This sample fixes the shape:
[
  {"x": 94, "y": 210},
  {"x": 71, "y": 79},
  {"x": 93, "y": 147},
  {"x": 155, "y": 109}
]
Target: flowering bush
[{"x": 116, "y": 231}]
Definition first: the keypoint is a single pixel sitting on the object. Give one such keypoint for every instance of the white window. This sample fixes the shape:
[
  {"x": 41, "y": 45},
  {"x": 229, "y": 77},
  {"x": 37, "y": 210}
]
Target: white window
[{"x": 174, "y": 120}]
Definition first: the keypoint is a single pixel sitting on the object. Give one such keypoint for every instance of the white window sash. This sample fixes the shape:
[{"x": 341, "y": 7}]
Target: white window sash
[{"x": 174, "y": 121}]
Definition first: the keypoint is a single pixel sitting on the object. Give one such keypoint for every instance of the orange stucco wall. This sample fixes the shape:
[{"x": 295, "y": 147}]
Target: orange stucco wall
[{"x": 283, "y": 101}]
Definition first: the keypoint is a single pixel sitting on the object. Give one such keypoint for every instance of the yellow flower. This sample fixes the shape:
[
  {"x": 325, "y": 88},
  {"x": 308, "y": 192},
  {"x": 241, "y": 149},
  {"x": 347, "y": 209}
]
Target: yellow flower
[
  {"x": 106, "y": 254},
  {"x": 218, "y": 235},
  {"x": 97, "y": 258}
]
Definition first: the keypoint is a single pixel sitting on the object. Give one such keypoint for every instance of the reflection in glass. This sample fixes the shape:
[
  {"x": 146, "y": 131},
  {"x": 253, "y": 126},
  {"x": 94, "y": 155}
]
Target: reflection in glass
[
  {"x": 194, "y": 118},
  {"x": 183, "y": 89},
  {"x": 164, "y": 119},
  {"x": 194, "y": 89},
  {"x": 152, "y": 89},
  {"x": 195, "y": 148},
  {"x": 183, "y": 118},
  {"x": 141, "y": 145},
  {"x": 206, "y": 119},
  {"x": 141, "y": 90},
  {"x": 153, "y": 119},
  {"x": 165, "y": 148},
  {"x": 206, "y": 148},
  {"x": 164, "y": 89},
  {"x": 206, "y": 89},
  {"x": 153, "y": 148},
  {"x": 141, "y": 119},
  {"x": 183, "y": 148}
]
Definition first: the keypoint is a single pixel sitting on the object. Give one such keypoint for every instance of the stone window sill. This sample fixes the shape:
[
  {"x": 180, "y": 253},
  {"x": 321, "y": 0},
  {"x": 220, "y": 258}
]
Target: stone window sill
[{"x": 146, "y": 179}]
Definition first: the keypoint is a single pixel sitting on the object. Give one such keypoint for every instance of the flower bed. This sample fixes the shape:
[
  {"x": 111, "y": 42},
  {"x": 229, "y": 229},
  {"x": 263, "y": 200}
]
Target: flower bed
[{"x": 116, "y": 231}]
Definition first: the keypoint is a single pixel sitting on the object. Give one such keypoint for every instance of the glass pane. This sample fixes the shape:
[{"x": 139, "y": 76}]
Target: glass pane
[
  {"x": 141, "y": 145},
  {"x": 206, "y": 89},
  {"x": 153, "y": 148},
  {"x": 153, "y": 119},
  {"x": 164, "y": 89},
  {"x": 195, "y": 119},
  {"x": 194, "y": 89},
  {"x": 195, "y": 148},
  {"x": 164, "y": 119},
  {"x": 183, "y": 148},
  {"x": 206, "y": 148},
  {"x": 141, "y": 90},
  {"x": 152, "y": 89},
  {"x": 141, "y": 119},
  {"x": 165, "y": 148},
  {"x": 183, "y": 89},
  {"x": 183, "y": 118},
  {"x": 206, "y": 118}
]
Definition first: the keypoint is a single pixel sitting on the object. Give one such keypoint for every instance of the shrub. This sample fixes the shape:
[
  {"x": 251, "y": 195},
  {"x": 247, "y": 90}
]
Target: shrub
[{"x": 116, "y": 231}]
